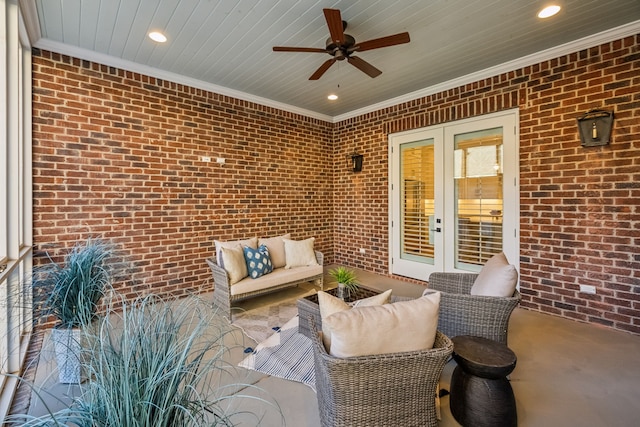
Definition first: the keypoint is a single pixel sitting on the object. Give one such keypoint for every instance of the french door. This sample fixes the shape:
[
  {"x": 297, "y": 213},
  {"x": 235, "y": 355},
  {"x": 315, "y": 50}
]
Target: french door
[{"x": 454, "y": 195}]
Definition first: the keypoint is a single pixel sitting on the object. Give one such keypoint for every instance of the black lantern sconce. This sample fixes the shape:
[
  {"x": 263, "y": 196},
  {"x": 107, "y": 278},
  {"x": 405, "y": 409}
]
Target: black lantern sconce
[
  {"x": 356, "y": 162},
  {"x": 595, "y": 127}
]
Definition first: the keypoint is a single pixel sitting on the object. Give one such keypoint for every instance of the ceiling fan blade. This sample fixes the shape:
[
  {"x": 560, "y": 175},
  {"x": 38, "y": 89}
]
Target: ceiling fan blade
[
  {"x": 323, "y": 68},
  {"x": 298, "y": 49},
  {"x": 364, "y": 66},
  {"x": 382, "y": 42},
  {"x": 334, "y": 22}
]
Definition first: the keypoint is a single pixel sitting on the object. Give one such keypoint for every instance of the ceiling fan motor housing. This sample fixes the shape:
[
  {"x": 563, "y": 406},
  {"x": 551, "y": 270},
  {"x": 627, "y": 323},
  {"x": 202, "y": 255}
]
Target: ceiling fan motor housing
[{"x": 340, "y": 51}]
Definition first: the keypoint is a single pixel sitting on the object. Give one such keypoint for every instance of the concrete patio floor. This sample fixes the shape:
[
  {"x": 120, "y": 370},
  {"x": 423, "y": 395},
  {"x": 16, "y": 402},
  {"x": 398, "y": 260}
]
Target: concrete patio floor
[{"x": 567, "y": 374}]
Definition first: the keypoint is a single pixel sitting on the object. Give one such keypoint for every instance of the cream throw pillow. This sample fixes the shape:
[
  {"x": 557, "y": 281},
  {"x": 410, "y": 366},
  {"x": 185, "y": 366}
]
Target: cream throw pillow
[
  {"x": 234, "y": 263},
  {"x": 252, "y": 243},
  {"x": 382, "y": 329},
  {"x": 276, "y": 249},
  {"x": 299, "y": 253},
  {"x": 497, "y": 278},
  {"x": 330, "y": 305}
]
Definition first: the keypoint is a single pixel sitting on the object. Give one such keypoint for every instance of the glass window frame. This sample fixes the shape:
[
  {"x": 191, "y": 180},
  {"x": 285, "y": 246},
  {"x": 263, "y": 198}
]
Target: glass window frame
[{"x": 16, "y": 238}]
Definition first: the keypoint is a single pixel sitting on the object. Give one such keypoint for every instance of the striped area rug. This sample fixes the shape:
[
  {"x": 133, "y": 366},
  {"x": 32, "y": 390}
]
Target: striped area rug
[
  {"x": 259, "y": 323},
  {"x": 285, "y": 354}
]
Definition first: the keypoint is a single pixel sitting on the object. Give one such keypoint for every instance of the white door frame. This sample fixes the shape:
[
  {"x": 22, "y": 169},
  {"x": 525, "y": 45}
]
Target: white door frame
[
  {"x": 444, "y": 187},
  {"x": 413, "y": 269}
]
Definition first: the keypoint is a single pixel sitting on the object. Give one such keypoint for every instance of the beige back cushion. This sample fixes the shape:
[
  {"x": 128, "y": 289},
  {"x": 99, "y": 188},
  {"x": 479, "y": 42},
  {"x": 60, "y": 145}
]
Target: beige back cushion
[
  {"x": 299, "y": 253},
  {"x": 252, "y": 243},
  {"x": 330, "y": 305},
  {"x": 497, "y": 278},
  {"x": 382, "y": 329},
  {"x": 234, "y": 263},
  {"x": 276, "y": 249}
]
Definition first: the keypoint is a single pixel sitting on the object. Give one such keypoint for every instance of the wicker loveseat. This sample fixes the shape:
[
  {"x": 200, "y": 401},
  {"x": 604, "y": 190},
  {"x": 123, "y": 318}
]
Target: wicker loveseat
[
  {"x": 464, "y": 314},
  {"x": 397, "y": 389},
  {"x": 225, "y": 293}
]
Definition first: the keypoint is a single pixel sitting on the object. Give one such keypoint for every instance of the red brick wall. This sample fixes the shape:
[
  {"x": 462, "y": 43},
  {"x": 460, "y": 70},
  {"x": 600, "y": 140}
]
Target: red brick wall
[
  {"x": 118, "y": 155},
  {"x": 580, "y": 207}
]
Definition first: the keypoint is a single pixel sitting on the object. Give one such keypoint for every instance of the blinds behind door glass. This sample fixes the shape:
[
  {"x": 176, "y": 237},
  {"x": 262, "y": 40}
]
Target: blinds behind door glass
[
  {"x": 478, "y": 186},
  {"x": 417, "y": 201}
]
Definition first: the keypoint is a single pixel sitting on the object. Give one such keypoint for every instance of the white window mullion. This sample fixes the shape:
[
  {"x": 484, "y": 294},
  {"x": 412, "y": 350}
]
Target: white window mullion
[
  {"x": 4, "y": 131},
  {"x": 25, "y": 194},
  {"x": 13, "y": 113},
  {"x": 14, "y": 64},
  {"x": 26, "y": 152},
  {"x": 4, "y": 186}
]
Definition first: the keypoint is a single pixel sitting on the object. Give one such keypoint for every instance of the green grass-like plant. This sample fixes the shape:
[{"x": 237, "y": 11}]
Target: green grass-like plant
[
  {"x": 153, "y": 364},
  {"x": 76, "y": 286},
  {"x": 346, "y": 279},
  {"x": 345, "y": 276}
]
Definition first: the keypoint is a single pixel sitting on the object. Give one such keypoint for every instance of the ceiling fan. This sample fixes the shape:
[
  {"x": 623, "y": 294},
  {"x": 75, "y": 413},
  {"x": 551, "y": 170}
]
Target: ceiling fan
[{"x": 341, "y": 46}]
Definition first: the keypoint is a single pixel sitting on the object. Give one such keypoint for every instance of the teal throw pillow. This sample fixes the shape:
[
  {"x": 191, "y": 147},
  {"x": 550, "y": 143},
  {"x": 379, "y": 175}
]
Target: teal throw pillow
[{"x": 258, "y": 261}]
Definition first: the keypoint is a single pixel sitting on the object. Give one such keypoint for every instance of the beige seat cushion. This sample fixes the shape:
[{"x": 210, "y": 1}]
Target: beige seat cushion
[
  {"x": 299, "y": 253},
  {"x": 276, "y": 249},
  {"x": 279, "y": 276},
  {"x": 497, "y": 278},
  {"x": 329, "y": 305},
  {"x": 382, "y": 329}
]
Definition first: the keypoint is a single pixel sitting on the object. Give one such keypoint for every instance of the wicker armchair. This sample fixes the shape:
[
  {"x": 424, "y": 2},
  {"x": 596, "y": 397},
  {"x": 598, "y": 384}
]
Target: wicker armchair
[
  {"x": 465, "y": 314},
  {"x": 396, "y": 389}
]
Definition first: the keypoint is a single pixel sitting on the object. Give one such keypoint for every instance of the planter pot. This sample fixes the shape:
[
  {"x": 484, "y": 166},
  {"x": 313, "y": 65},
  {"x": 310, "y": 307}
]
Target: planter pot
[
  {"x": 68, "y": 352},
  {"x": 342, "y": 291}
]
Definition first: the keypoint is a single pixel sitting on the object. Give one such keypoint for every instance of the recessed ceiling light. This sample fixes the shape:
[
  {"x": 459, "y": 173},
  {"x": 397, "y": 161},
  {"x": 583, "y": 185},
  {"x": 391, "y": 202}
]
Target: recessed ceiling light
[
  {"x": 549, "y": 11},
  {"x": 157, "y": 37},
  {"x": 332, "y": 97}
]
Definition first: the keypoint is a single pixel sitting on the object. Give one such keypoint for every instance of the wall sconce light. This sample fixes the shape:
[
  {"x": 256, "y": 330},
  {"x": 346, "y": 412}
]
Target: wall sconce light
[
  {"x": 356, "y": 162},
  {"x": 595, "y": 127}
]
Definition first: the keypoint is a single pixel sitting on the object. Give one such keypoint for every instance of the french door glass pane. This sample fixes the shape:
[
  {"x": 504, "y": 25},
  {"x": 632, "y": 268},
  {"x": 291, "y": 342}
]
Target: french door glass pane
[
  {"x": 417, "y": 201},
  {"x": 478, "y": 162}
]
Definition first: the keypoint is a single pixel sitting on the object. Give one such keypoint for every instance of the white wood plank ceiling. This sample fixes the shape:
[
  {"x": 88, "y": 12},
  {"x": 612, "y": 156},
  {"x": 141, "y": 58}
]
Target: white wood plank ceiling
[{"x": 226, "y": 45}]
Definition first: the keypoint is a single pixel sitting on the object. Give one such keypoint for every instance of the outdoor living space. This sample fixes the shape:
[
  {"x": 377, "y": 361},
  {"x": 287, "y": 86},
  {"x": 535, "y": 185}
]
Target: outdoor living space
[
  {"x": 567, "y": 373},
  {"x": 521, "y": 138}
]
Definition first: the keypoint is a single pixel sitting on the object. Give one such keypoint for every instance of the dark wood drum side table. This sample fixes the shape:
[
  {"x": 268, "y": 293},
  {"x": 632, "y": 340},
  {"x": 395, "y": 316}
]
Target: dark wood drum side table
[{"x": 481, "y": 394}]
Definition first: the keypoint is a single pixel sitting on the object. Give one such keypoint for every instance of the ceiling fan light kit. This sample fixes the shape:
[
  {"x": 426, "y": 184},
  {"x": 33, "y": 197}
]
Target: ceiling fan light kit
[{"x": 341, "y": 46}]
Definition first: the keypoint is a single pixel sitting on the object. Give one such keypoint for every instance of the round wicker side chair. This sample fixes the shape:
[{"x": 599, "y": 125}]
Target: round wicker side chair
[{"x": 397, "y": 389}]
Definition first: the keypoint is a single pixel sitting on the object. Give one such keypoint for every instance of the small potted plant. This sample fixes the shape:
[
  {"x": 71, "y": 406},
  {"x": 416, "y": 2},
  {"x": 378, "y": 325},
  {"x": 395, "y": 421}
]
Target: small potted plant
[
  {"x": 74, "y": 290},
  {"x": 346, "y": 279}
]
